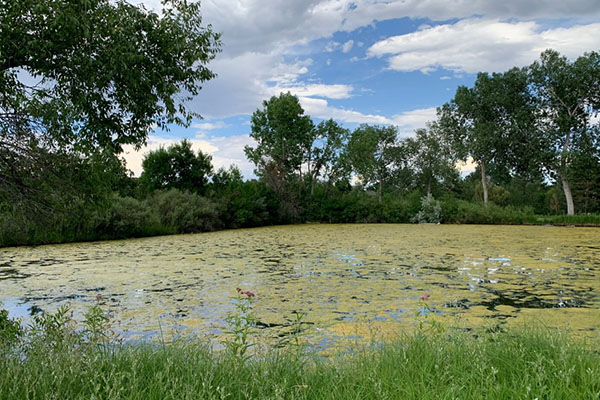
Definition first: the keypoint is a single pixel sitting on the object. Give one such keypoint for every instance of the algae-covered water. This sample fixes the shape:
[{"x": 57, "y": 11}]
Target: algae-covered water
[{"x": 349, "y": 280}]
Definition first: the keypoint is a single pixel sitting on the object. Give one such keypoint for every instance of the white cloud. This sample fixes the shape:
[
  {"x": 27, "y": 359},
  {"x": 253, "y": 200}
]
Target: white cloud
[
  {"x": 319, "y": 108},
  {"x": 476, "y": 44},
  {"x": 209, "y": 126},
  {"x": 330, "y": 47},
  {"x": 408, "y": 121},
  {"x": 259, "y": 34},
  {"x": 346, "y": 47},
  {"x": 318, "y": 90}
]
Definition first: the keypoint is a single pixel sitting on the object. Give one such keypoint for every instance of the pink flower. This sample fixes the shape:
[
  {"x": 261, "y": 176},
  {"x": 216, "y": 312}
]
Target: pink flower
[
  {"x": 425, "y": 297},
  {"x": 246, "y": 292}
]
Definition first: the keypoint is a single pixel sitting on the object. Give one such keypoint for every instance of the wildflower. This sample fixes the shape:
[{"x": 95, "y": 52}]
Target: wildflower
[
  {"x": 425, "y": 297},
  {"x": 246, "y": 292}
]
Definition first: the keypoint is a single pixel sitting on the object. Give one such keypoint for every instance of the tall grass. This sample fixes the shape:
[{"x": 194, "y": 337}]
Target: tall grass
[{"x": 53, "y": 361}]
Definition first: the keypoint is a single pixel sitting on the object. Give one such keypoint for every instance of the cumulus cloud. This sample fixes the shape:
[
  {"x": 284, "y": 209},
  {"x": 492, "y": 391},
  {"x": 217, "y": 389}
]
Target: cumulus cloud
[
  {"x": 209, "y": 126},
  {"x": 407, "y": 121},
  {"x": 320, "y": 108},
  {"x": 477, "y": 44},
  {"x": 346, "y": 47},
  {"x": 258, "y": 35}
]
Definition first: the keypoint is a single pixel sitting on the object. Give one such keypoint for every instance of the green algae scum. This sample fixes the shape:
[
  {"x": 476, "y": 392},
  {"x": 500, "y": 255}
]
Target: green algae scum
[{"x": 350, "y": 281}]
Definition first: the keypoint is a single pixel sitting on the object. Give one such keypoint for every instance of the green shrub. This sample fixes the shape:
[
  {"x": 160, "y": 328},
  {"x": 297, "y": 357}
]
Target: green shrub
[
  {"x": 129, "y": 217},
  {"x": 431, "y": 211},
  {"x": 185, "y": 212}
]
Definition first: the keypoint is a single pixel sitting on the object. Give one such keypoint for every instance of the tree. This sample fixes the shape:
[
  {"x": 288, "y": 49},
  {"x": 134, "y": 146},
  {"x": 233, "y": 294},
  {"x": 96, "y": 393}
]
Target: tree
[
  {"x": 176, "y": 168},
  {"x": 490, "y": 122},
  {"x": 326, "y": 155},
  {"x": 88, "y": 76},
  {"x": 373, "y": 151},
  {"x": 430, "y": 157},
  {"x": 568, "y": 96},
  {"x": 284, "y": 136}
]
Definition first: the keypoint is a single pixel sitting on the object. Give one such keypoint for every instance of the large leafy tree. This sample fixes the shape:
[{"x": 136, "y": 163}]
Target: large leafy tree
[
  {"x": 430, "y": 157},
  {"x": 568, "y": 96},
  {"x": 491, "y": 122},
  {"x": 176, "y": 167},
  {"x": 81, "y": 77},
  {"x": 326, "y": 156},
  {"x": 373, "y": 151},
  {"x": 283, "y": 134}
]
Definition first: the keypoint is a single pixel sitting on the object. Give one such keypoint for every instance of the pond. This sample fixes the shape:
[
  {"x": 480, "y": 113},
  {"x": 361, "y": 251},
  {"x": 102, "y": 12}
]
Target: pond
[{"x": 348, "y": 280}]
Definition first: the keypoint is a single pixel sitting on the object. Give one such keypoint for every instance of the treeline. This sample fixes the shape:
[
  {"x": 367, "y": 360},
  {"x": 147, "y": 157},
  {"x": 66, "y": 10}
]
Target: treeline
[{"x": 530, "y": 132}]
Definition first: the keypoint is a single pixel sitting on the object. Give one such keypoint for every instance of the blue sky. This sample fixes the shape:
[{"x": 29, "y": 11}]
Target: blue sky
[{"x": 364, "y": 61}]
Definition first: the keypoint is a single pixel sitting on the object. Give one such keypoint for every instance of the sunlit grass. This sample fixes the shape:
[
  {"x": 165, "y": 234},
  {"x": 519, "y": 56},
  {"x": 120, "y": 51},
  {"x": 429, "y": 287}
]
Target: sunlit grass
[{"x": 520, "y": 364}]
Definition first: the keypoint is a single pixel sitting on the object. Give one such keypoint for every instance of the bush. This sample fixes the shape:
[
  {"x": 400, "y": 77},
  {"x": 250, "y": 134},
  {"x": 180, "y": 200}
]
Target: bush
[
  {"x": 129, "y": 217},
  {"x": 464, "y": 212},
  {"x": 184, "y": 212},
  {"x": 430, "y": 213}
]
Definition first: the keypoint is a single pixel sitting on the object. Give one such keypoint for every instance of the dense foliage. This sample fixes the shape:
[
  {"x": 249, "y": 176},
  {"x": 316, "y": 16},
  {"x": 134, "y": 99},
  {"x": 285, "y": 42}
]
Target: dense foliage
[{"x": 79, "y": 79}]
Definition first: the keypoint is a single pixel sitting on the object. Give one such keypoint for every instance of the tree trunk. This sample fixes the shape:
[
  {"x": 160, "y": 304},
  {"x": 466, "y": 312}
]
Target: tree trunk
[
  {"x": 563, "y": 175},
  {"x": 429, "y": 186},
  {"x": 568, "y": 196},
  {"x": 484, "y": 182},
  {"x": 380, "y": 190}
]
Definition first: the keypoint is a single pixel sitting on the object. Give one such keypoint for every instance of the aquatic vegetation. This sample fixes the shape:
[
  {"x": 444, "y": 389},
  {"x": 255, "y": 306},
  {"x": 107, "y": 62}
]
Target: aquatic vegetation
[{"x": 347, "y": 279}]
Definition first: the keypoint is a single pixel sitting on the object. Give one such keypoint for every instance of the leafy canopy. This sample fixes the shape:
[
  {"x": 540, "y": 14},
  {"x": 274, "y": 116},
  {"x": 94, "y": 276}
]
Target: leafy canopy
[
  {"x": 99, "y": 73},
  {"x": 176, "y": 167}
]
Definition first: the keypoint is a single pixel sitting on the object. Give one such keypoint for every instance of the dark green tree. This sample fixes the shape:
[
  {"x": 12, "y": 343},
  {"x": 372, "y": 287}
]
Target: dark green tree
[
  {"x": 176, "y": 167},
  {"x": 326, "y": 156},
  {"x": 373, "y": 152},
  {"x": 568, "y": 96},
  {"x": 284, "y": 137},
  {"x": 430, "y": 157},
  {"x": 492, "y": 122},
  {"x": 84, "y": 77}
]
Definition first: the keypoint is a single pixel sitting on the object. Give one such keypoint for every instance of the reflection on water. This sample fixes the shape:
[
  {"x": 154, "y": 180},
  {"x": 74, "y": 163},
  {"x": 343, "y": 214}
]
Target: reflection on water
[{"x": 345, "y": 277}]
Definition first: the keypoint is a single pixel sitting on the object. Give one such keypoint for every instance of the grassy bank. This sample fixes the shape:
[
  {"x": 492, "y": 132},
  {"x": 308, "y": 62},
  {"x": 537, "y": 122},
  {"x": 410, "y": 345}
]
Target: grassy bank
[{"x": 53, "y": 361}]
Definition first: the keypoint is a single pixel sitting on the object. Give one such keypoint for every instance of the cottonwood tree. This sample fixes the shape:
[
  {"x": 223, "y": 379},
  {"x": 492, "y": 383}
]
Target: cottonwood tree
[
  {"x": 430, "y": 157},
  {"x": 85, "y": 76},
  {"x": 491, "y": 122},
  {"x": 284, "y": 136},
  {"x": 372, "y": 152},
  {"x": 326, "y": 156},
  {"x": 568, "y": 96}
]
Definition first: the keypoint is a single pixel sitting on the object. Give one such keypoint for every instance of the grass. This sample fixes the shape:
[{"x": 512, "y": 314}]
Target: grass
[
  {"x": 577, "y": 220},
  {"x": 51, "y": 360}
]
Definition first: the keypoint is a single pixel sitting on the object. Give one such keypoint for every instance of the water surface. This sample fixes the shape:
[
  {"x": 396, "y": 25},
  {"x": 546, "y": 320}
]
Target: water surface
[{"x": 348, "y": 279}]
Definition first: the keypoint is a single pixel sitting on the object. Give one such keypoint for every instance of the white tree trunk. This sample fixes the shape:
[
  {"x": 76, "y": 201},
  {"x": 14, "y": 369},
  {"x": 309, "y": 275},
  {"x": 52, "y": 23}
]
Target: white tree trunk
[
  {"x": 568, "y": 195},
  {"x": 484, "y": 182}
]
